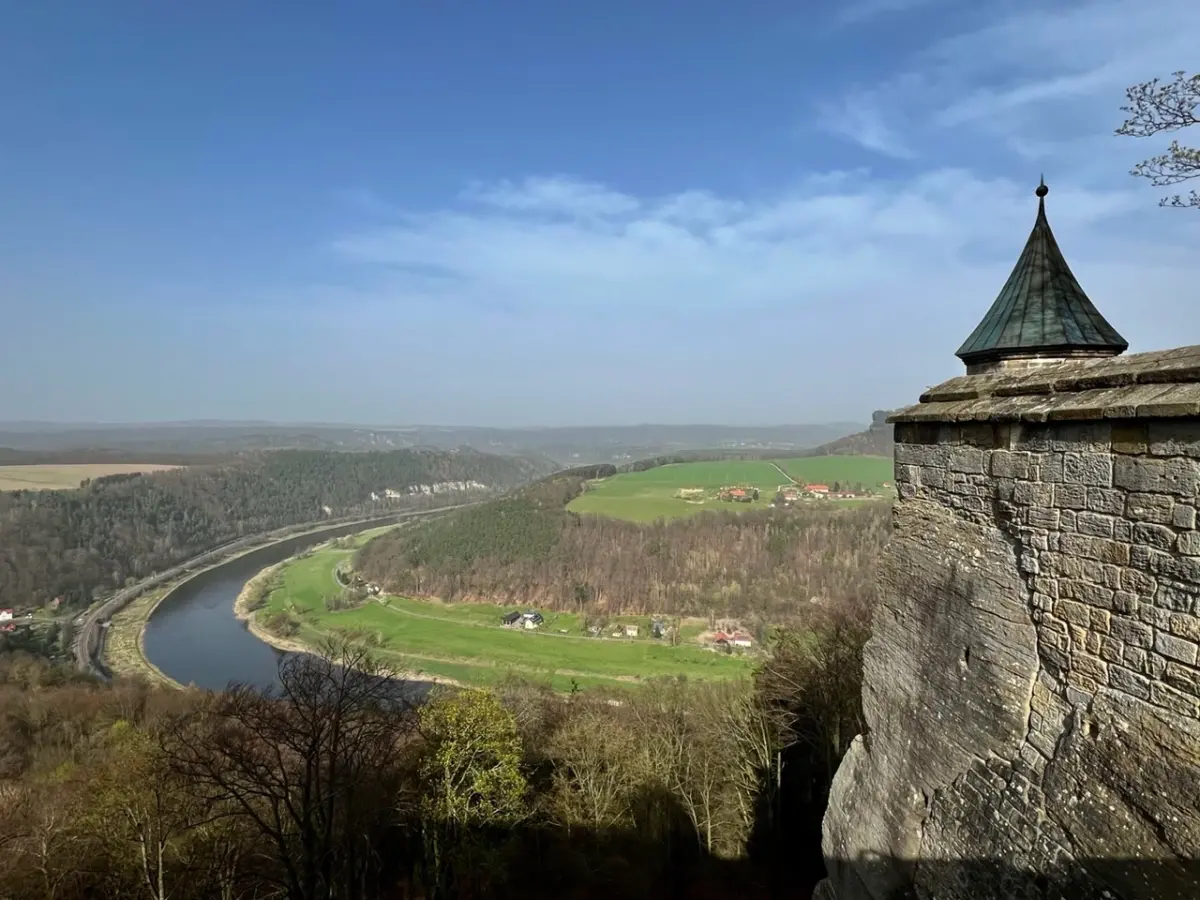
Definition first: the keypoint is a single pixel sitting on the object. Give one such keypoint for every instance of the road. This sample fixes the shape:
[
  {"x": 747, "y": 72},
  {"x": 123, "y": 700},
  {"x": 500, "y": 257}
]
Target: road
[
  {"x": 88, "y": 643},
  {"x": 785, "y": 474}
]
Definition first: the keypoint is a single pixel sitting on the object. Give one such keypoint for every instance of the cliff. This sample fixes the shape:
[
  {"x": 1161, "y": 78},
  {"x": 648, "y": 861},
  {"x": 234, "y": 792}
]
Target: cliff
[{"x": 1032, "y": 689}]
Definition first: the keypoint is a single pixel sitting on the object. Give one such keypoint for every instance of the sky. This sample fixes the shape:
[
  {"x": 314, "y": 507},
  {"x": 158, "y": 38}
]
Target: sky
[{"x": 546, "y": 213}]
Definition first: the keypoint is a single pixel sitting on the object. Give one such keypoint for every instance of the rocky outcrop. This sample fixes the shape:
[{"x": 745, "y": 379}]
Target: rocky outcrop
[{"x": 1032, "y": 684}]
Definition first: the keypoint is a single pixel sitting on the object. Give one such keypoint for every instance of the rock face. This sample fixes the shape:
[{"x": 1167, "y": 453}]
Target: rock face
[{"x": 1032, "y": 685}]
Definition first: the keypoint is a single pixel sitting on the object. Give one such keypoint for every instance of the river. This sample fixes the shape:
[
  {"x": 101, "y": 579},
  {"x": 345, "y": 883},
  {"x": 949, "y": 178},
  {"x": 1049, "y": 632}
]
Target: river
[{"x": 194, "y": 637}]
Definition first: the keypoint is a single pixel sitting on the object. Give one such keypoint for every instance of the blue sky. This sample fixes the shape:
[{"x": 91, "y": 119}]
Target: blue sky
[{"x": 558, "y": 213}]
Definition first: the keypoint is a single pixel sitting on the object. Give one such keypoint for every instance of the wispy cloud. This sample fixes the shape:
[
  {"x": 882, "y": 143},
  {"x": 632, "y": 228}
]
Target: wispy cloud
[
  {"x": 1024, "y": 76},
  {"x": 870, "y": 10},
  {"x": 556, "y": 194}
]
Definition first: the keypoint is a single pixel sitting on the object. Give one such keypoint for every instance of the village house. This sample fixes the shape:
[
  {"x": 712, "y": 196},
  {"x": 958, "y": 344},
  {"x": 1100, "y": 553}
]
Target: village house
[
  {"x": 6, "y": 615},
  {"x": 631, "y": 631},
  {"x": 822, "y": 489}
]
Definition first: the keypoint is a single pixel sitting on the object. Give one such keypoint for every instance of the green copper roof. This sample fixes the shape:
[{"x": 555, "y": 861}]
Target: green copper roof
[{"x": 1041, "y": 308}]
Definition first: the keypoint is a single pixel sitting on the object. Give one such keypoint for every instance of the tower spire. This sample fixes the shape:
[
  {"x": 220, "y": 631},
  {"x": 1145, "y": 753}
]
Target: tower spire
[{"x": 1042, "y": 314}]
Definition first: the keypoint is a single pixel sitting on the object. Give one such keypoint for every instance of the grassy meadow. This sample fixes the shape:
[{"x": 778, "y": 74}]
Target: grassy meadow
[
  {"x": 653, "y": 494},
  {"x": 64, "y": 477},
  {"x": 465, "y": 642}
]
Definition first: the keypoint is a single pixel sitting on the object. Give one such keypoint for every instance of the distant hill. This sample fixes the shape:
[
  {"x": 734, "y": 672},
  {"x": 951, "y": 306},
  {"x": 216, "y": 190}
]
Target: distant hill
[
  {"x": 566, "y": 446},
  {"x": 875, "y": 441}
]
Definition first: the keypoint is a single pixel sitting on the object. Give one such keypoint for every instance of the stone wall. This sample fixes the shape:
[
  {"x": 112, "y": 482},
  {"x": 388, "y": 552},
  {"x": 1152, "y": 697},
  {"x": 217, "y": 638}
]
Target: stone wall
[{"x": 1032, "y": 688}]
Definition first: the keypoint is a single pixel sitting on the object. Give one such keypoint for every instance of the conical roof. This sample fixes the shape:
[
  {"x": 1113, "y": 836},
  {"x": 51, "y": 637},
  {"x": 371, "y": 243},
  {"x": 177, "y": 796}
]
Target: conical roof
[{"x": 1041, "y": 310}]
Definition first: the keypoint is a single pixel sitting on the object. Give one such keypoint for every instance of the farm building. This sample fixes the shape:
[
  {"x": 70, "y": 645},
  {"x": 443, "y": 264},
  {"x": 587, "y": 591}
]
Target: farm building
[
  {"x": 6, "y": 615},
  {"x": 817, "y": 488},
  {"x": 739, "y": 494},
  {"x": 511, "y": 618},
  {"x": 741, "y": 639},
  {"x": 631, "y": 631},
  {"x": 531, "y": 620}
]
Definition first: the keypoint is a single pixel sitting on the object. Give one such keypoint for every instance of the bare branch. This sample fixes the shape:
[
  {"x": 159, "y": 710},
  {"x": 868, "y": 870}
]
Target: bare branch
[{"x": 1153, "y": 108}]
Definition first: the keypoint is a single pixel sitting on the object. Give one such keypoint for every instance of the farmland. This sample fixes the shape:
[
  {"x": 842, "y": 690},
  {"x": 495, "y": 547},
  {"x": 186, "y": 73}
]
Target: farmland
[
  {"x": 656, "y": 493},
  {"x": 64, "y": 477},
  {"x": 465, "y": 642}
]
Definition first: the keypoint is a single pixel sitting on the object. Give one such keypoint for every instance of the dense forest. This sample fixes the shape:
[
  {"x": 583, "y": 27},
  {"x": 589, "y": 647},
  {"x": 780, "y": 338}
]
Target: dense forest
[
  {"x": 334, "y": 787},
  {"x": 526, "y": 548},
  {"x": 79, "y": 544}
]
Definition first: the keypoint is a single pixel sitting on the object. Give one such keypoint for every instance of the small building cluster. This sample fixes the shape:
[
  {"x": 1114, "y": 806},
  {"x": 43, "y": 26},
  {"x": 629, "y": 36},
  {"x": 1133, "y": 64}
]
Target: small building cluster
[
  {"x": 6, "y": 620},
  {"x": 528, "y": 620},
  {"x": 738, "y": 494},
  {"x": 726, "y": 641}
]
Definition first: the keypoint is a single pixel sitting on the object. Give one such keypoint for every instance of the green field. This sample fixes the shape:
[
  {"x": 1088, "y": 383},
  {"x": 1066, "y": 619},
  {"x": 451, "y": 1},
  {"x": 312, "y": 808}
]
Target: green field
[
  {"x": 464, "y": 641},
  {"x": 652, "y": 494}
]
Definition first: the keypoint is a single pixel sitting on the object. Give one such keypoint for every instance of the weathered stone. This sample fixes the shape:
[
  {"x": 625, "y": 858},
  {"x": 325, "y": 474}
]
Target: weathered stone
[
  {"x": 1185, "y": 626},
  {"x": 967, "y": 460},
  {"x": 1189, "y": 543},
  {"x": 1091, "y": 469},
  {"x": 1032, "y": 685},
  {"x": 1171, "y": 437},
  {"x": 1109, "y": 501},
  {"x": 1155, "y": 508},
  {"x": 1095, "y": 524},
  {"x": 922, "y": 455},
  {"x": 1157, "y": 536},
  {"x": 1070, "y": 496},
  {"x": 1135, "y": 634},
  {"x": 1169, "y": 476},
  {"x": 1010, "y": 464},
  {"x": 1184, "y": 517},
  {"x": 1172, "y": 647}
]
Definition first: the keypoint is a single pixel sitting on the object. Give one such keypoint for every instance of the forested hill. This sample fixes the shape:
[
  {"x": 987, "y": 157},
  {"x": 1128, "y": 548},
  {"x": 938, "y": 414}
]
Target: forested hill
[
  {"x": 527, "y": 549},
  {"x": 82, "y": 543},
  {"x": 875, "y": 441}
]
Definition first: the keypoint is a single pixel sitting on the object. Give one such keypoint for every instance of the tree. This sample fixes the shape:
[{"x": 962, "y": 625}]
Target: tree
[
  {"x": 1155, "y": 107},
  {"x": 316, "y": 767}
]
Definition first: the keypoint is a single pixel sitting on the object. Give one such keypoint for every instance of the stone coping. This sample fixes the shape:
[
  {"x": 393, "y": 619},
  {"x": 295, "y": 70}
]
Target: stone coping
[{"x": 1160, "y": 384}]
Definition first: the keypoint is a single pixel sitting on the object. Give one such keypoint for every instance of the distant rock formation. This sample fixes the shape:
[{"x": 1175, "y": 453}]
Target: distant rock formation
[
  {"x": 1032, "y": 683},
  {"x": 875, "y": 441}
]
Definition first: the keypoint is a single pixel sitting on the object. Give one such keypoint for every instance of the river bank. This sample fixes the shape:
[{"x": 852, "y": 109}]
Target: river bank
[
  {"x": 124, "y": 647},
  {"x": 246, "y": 607}
]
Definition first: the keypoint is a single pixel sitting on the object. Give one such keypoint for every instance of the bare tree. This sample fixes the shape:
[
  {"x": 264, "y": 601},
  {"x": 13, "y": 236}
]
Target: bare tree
[
  {"x": 1156, "y": 107},
  {"x": 315, "y": 767}
]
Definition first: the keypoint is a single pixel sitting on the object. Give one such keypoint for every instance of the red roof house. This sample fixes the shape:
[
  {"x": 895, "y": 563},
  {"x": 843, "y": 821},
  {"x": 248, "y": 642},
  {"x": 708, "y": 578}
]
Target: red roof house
[{"x": 817, "y": 488}]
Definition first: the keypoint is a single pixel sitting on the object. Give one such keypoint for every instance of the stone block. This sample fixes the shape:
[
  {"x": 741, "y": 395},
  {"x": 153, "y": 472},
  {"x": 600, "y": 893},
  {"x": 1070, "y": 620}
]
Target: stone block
[
  {"x": 922, "y": 455},
  {"x": 932, "y": 477},
  {"x": 1156, "y": 508},
  {"x": 1174, "y": 597},
  {"x": 967, "y": 460},
  {"x": 1129, "y": 682},
  {"x": 1067, "y": 522},
  {"x": 1184, "y": 517},
  {"x": 1183, "y": 678},
  {"x": 1189, "y": 542},
  {"x": 908, "y": 474},
  {"x": 1148, "y": 559},
  {"x": 1124, "y": 602},
  {"x": 1074, "y": 612},
  {"x": 1131, "y": 633},
  {"x": 1174, "y": 437},
  {"x": 907, "y": 491},
  {"x": 1093, "y": 436},
  {"x": 1086, "y": 592},
  {"x": 1070, "y": 496},
  {"x": 1160, "y": 537},
  {"x": 1090, "y": 666},
  {"x": 1135, "y": 658},
  {"x": 1175, "y": 648},
  {"x": 1112, "y": 652},
  {"x": 1179, "y": 476},
  {"x": 1101, "y": 621},
  {"x": 1138, "y": 583},
  {"x": 1090, "y": 469},
  {"x": 1048, "y": 468},
  {"x": 1027, "y": 493},
  {"x": 1094, "y": 524},
  {"x": 1010, "y": 464},
  {"x": 1123, "y": 531},
  {"x": 1109, "y": 501},
  {"x": 1181, "y": 568},
  {"x": 1185, "y": 626},
  {"x": 1176, "y": 701}
]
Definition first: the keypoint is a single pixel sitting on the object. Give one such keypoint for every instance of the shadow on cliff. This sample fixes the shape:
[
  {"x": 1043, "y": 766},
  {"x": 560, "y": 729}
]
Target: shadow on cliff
[{"x": 1113, "y": 879}]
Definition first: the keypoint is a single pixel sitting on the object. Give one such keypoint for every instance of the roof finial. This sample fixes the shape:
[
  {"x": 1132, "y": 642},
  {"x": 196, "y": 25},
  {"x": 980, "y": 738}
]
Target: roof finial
[{"x": 1042, "y": 190}]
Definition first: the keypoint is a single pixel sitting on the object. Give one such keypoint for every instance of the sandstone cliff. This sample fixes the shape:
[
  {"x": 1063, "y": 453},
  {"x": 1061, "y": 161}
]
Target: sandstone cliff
[{"x": 1032, "y": 688}]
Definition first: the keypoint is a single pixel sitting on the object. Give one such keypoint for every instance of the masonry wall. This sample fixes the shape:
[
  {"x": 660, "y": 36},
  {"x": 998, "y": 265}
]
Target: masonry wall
[{"x": 1032, "y": 686}]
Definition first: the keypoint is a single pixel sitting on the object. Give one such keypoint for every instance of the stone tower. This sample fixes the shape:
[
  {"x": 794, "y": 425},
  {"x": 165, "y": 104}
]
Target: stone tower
[{"x": 1032, "y": 683}]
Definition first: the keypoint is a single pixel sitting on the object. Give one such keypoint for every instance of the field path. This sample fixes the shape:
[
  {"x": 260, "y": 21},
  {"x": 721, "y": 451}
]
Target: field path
[{"x": 785, "y": 474}]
